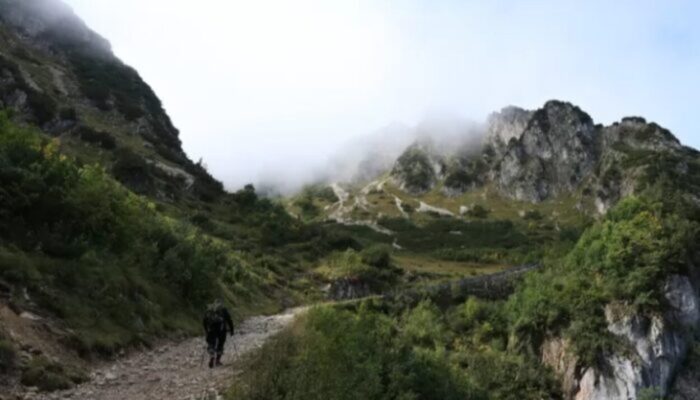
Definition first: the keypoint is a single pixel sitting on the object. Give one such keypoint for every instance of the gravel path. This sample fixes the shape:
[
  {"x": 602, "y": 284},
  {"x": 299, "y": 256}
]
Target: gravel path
[{"x": 174, "y": 371}]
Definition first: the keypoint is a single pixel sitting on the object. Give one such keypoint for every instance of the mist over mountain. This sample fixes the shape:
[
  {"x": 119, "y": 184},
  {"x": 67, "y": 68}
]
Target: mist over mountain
[
  {"x": 541, "y": 252},
  {"x": 285, "y": 86}
]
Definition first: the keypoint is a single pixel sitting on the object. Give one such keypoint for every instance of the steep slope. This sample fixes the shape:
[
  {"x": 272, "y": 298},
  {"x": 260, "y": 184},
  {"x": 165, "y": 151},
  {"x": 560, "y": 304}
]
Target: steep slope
[
  {"x": 60, "y": 75},
  {"x": 110, "y": 237}
]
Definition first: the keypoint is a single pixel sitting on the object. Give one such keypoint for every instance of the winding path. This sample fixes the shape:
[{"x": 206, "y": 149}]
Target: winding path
[{"x": 174, "y": 371}]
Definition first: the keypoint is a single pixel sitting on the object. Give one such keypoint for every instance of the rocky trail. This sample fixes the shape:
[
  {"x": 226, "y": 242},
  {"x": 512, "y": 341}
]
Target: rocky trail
[
  {"x": 174, "y": 371},
  {"x": 178, "y": 371}
]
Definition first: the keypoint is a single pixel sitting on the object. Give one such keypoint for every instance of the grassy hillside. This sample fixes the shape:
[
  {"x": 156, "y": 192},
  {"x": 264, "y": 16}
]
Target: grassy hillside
[
  {"x": 491, "y": 232},
  {"x": 117, "y": 269},
  {"x": 480, "y": 349}
]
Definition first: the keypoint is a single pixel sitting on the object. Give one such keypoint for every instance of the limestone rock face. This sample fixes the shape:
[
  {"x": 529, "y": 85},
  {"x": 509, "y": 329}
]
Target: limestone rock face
[
  {"x": 555, "y": 150},
  {"x": 347, "y": 289},
  {"x": 504, "y": 126},
  {"x": 658, "y": 345},
  {"x": 552, "y": 156}
]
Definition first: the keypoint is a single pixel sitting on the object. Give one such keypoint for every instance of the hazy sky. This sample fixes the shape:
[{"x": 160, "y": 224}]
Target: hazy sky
[{"x": 275, "y": 87}]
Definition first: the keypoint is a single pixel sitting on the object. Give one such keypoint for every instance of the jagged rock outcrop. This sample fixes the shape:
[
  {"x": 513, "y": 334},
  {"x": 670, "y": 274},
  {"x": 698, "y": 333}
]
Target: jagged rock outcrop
[
  {"x": 552, "y": 156},
  {"x": 551, "y": 152},
  {"x": 347, "y": 289},
  {"x": 657, "y": 346},
  {"x": 626, "y": 149},
  {"x": 419, "y": 168},
  {"x": 504, "y": 126}
]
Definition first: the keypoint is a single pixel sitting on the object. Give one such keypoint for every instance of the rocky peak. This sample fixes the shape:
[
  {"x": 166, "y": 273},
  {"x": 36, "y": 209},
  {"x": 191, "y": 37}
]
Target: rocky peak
[
  {"x": 507, "y": 124},
  {"x": 418, "y": 169},
  {"x": 637, "y": 133},
  {"x": 553, "y": 154}
]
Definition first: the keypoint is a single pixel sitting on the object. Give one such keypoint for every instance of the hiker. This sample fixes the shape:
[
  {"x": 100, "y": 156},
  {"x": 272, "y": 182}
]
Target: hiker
[{"x": 217, "y": 322}]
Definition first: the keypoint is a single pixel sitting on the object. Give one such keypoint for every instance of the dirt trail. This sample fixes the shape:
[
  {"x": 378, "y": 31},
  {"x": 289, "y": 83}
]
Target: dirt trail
[{"x": 175, "y": 371}]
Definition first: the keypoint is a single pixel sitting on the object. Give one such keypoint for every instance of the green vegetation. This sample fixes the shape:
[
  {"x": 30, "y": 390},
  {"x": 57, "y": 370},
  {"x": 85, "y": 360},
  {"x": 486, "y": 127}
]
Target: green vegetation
[
  {"x": 121, "y": 270},
  {"x": 372, "y": 265},
  {"x": 464, "y": 174},
  {"x": 50, "y": 376},
  {"x": 622, "y": 259},
  {"x": 98, "y": 138},
  {"x": 43, "y": 107},
  {"x": 414, "y": 354},
  {"x": 415, "y": 169},
  {"x": 305, "y": 202},
  {"x": 487, "y": 349},
  {"x": 478, "y": 211},
  {"x": 483, "y": 241},
  {"x": 8, "y": 356}
]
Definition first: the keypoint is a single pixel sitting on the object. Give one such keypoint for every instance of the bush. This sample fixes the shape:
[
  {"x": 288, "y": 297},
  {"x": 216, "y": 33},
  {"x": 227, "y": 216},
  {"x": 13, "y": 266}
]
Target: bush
[
  {"x": 133, "y": 171},
  {"x": 415, "y": 169},
  {"x": 478, "y": 211},
  {"x": 8, "y": 356},
  {"x": 305, "y": 202},
  {"x": 341, "y": 355},
  {"x": 49, "y": 376},
  {"x": 460, "y": 180},
  {"x": 99, "y": 138},
  {"x": 533, "y": 215},
  {"x": 377, "y": 256},
  {"x": 366, "y": 354}
]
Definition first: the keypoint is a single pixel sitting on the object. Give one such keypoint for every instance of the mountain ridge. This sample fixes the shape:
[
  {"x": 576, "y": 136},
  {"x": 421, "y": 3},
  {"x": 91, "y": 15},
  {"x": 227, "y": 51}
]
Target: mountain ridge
[
  {"x": 538, "y": 156},
  {"x": 64, "y": 77}
]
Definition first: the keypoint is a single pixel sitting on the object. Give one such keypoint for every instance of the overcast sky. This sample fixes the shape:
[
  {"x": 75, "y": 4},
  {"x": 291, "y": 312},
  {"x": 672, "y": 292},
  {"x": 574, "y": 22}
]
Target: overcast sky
[{"x": 262, "y": 88}]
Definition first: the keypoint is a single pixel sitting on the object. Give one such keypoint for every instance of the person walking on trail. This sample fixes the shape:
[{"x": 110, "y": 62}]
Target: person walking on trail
[{"x": 217, "y": 323}]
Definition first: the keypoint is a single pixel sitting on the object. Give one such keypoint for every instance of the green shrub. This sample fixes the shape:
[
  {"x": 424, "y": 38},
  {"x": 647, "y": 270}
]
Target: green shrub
[
  {"x": 133, "y": 171},
  {"x": 342, "y": 355},
  {"x": 624, "y": 258},
  {"x": 533, "y": 215},
  {"x": 478, "y": 211},
  {"x": 367, "y": 354},
  {"x": 305, "y": 202},
  {"x": 423, "y": 326},
  {"x": 459, "y": 179},
  {"x": 43, "y": 107},
  {"x": 49, "y": 376},
  {"x": 377, "y": 256},
  {"x": 415, "y": 169},
  {"x": 8, "y": 356},
  {"x": 99, "y": 138}
]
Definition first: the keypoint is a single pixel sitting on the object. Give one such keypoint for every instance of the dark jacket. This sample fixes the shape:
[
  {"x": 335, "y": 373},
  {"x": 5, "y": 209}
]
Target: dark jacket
[{"x": 218, "y": 322}]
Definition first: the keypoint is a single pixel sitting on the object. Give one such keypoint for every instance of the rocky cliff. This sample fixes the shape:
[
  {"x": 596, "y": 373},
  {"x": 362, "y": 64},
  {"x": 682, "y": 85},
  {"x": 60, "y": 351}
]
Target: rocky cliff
[
  {"x": 653, "y": 348},
  {"x": 548, "y": 153}
]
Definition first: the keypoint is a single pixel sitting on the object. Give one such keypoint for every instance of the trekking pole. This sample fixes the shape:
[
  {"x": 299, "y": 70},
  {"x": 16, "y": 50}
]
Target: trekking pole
[
  {"x": 235, "y": 346},
  {"x": 205, "y": 350}
]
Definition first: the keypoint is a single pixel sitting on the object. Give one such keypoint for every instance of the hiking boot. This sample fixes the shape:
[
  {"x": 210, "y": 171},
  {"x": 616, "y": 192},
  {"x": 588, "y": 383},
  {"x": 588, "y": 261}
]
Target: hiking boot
[
  {"x": 211, "y": 362},
  {"x": 218, "y": 361}
]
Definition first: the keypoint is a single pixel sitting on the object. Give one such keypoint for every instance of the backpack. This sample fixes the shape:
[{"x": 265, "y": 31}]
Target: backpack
[{"x": 213, "y": 319}]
